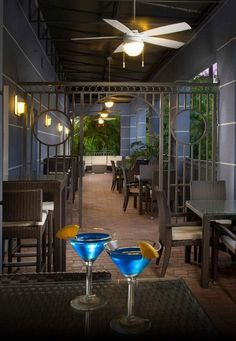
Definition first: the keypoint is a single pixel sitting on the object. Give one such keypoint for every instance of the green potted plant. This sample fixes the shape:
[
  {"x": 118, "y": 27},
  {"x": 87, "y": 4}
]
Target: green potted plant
[{"x": 145, "y": 151}]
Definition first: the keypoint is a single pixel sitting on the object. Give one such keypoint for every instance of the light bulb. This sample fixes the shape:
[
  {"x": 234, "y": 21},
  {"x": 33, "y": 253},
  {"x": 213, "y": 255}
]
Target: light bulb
[
  {"x": 103, "y": 114},
  {"x": 133, "y": 48},
  {"x": 47, "y": 121},
  {"x": 101, "y": 120},
  {"x": 109, "y": 104},
  {"x": 60, "y": 127}
]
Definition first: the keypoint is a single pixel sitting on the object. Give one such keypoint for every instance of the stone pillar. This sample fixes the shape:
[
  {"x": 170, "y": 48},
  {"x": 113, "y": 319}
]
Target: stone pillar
[{"x": 226, "y": 60}]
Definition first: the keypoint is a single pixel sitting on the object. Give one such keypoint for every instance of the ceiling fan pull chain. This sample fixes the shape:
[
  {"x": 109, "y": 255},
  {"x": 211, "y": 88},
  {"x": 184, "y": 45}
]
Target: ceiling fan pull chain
[
  {"x": 143, "y": 58},
  {"x": 123, "y": 59}
]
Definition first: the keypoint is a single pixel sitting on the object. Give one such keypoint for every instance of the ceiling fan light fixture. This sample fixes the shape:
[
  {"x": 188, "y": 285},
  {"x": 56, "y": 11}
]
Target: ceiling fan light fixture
[
  {"x": 103, "y": 114},
  {"x": 100, "y": 120},
  {"x": 133, "y": 48},
  {"x": 109, "y": 103}
]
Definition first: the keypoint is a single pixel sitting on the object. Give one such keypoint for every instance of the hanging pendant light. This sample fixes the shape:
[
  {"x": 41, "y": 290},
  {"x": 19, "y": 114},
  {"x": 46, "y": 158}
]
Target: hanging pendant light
[{"x": 109, "y": 103}]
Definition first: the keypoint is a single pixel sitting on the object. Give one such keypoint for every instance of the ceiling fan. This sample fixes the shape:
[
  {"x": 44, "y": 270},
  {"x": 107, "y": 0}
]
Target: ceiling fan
[{"x": 133, "y": 40}]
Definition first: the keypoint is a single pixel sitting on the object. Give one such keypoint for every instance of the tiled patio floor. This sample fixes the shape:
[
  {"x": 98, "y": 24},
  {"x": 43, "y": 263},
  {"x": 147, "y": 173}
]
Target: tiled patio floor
[{"x": 102, "y": 207}]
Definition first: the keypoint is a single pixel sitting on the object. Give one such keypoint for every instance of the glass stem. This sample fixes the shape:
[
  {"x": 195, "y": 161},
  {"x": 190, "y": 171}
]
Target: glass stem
[
  {"x": 131, "y": 284},
  {"x": 89, "y": 277}
]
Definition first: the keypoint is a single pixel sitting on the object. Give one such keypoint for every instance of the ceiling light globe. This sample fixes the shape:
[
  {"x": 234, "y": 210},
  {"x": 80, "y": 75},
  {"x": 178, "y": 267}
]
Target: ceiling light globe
[
  {"x": 104, "y": 114},
  {"x": 109, "y": 104},
  {"x": 133, "y": 48}
]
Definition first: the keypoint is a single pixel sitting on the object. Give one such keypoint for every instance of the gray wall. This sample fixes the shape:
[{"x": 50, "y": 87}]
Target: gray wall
[{"x": 215, "y": 42}]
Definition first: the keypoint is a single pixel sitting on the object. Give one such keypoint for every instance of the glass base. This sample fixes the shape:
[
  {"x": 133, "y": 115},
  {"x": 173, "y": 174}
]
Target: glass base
[
  {"x": 86, "y": 303},
  {"x": 132, "y": 325}
]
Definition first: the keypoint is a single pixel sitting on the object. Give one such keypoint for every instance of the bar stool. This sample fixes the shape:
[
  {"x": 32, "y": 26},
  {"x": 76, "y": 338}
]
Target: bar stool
[{"x": 23, "y": 218}]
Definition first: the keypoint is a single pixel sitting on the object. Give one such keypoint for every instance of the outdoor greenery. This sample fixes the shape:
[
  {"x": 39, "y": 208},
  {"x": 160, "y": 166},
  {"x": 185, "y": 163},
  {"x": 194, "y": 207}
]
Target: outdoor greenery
[
  {"x": 140, "y": 150},
  {"x": 106, "y": 138},
  {"x": 98, "y": 138}
]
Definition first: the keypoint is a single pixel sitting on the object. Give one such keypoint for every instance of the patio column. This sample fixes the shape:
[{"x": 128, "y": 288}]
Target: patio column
[
  {"x": 133, "y": 129},
  {"x": 141, "y": 124},
  {"x": 226, "y": 60},
  {"x": 124, "y": 134}
]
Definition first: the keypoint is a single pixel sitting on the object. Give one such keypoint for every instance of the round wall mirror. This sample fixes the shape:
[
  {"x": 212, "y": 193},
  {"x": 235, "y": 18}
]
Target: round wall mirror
[
  {"x": 52, "y": 127},
  {"x": 188, "y": 126}
]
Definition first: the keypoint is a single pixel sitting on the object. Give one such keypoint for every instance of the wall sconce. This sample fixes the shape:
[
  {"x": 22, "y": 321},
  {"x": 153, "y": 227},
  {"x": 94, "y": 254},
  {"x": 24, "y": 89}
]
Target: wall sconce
[
  {"x": 60, "y": 127},
  {"x": 66, "y": 130},
  {"x": 47, "y": 121},
  {"x": 19, "y": 106}
]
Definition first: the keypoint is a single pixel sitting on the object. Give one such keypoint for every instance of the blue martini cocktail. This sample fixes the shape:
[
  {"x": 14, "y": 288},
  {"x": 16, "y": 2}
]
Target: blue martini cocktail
[
  {"x": 89, "y": 245},
  {"x": 131, "y": 264}
]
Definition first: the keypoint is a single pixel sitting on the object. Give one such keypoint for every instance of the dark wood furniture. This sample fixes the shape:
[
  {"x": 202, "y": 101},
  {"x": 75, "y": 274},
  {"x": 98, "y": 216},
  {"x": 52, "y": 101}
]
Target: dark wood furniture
[
  {"x": 171, "y": 234},
  {"x": 208, "y": 211},
  {"x": 55, "y": 186},
  {"x": 23, "y": 218}
]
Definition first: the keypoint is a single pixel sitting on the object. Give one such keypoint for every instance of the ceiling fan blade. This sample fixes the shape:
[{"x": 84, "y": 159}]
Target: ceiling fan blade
[
  {"x": 118, "y": 25},
  {"x": 163, "y": 42},
  {"x": 97, "y": 38},
  {"x": 119, "y": 48},
  {"x": 182, "y": 26}
]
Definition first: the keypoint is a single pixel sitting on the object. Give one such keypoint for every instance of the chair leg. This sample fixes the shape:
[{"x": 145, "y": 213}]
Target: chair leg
[
  {"x": 10, "y": 244},
  {"x": 49, "y": 232},
  {"x": 214, "y": 255},
  {"x": 160, "y": 254},
  {"x": 166, "y": 259},
  {"x": 188, "y": 254},
  {"x": 126, "y": 200},
  {"x": 135, "y": 201},
  {"x": 44, "y": 250},
  {"x": 39, "y": 253}
]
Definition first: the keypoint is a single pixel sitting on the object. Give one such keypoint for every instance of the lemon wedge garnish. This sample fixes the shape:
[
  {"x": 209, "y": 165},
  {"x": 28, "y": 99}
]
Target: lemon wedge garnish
[
  {"x": 147, "y": 250},
  {"x": 67, "y": 232}
]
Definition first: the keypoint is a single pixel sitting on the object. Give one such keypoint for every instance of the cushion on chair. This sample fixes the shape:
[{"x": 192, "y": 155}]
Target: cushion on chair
[
  {"x": 229, "y": 243},
  {"x": 48, "y": 206},
  {"x": 187, "y": 232},
  {"x": 25, "y": 223}
]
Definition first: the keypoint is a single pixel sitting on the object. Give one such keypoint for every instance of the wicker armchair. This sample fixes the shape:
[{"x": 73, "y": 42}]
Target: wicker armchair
[
  {"x": 224, "y": 236},
  {"x": 186, "y": 233},
  {"x": 23, "y": 218},
  {"x": 130, "y": 189}
]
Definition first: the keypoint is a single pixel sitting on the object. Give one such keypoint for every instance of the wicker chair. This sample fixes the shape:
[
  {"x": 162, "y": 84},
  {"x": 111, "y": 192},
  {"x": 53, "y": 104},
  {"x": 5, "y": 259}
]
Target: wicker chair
[
  {"x": 130, "y": 189},
  {"x": 224, "y": 236},
  {"x": 115, "y": 177},
  {"x": 23, "y": 218},
  {"x": 185, "y": 233},
  {"x": 209, "y": 190}
]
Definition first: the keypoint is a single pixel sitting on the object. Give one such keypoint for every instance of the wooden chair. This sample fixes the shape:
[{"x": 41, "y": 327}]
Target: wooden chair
[
  {"x": 209, "y": 190},
  {"x": 175, "y": 234},
  {"x": 130, "y": 189},
  {"x": 115, "y": 176},
  {"x": 23, "y": 218}
]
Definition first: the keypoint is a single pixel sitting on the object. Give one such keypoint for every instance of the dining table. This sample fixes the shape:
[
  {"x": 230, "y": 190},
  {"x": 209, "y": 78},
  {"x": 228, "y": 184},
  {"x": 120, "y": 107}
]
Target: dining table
[
  {"x": 55, "y": 186},
  {"x": 210, "y": 210},
  {"x": 38, "y": 305}
]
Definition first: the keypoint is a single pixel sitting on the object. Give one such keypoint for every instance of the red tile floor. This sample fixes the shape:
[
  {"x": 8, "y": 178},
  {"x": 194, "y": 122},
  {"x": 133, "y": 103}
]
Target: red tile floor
[{"x": 102, "y": 207}]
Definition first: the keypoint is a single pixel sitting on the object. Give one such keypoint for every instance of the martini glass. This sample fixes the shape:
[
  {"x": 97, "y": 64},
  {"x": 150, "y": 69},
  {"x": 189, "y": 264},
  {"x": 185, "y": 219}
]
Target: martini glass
[
  {"x": 89, "y": 244},
  {"x": 131, "y": 263}
]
